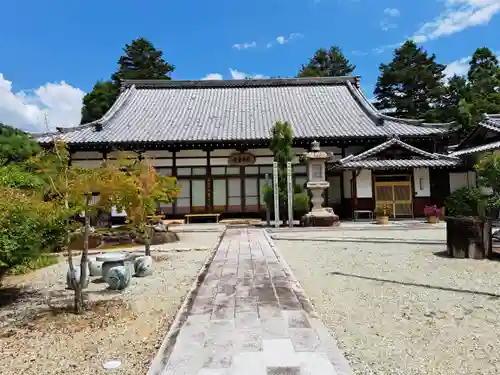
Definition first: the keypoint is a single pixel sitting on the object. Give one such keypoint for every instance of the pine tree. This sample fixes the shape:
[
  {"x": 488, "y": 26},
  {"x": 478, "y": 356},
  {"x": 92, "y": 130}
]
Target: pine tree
[
  {"x": 484, "y": 84},
  {"x": 141, "y": 60},
  {"x": 411, "y": 84},
  {"x": 455, "y": 90},
  {"x": 327, "y": 63}
]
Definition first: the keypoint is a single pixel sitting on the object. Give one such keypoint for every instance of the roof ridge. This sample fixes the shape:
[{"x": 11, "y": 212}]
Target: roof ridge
[{"x": 230, "y": 83}]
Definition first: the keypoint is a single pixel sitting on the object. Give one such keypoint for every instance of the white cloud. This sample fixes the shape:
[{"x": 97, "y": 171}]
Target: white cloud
[
  {"x": 281, "y": 39},
  {"x": 457, "y": 16},
  {"x": 240, "y": 75},
  {"x": 212, "y": 77},
  {"x": 458, "y": 67},
  {"x": 392, "y": 12},
  {"x": 60, "y": 102},
  {"x": 385, "y": 25},
  {"x": 241, "y": 46},
  {"x": 234, "y": 74}
]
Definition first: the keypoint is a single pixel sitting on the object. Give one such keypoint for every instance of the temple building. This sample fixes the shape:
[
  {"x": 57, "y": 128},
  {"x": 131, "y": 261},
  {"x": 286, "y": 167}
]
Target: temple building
[{"x": 214, "y": 137}]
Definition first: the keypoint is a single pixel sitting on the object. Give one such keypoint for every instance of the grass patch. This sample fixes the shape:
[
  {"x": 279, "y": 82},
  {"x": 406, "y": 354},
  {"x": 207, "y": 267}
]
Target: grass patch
[{"x": 42, "y": 261}]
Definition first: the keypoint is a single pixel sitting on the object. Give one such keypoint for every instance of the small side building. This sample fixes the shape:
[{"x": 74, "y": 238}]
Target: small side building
[
  {"x": 214, "y": 137},
  {"x": 485, "y": 138}
]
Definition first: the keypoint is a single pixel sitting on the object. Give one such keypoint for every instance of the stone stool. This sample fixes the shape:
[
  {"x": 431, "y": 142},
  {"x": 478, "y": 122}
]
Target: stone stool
[{"x": 110, "y": 260}]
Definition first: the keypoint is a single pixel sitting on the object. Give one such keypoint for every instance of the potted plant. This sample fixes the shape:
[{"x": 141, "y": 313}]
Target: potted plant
[
  {"x": 382, "y": 214},
  {"x": 433, "y": 214}
]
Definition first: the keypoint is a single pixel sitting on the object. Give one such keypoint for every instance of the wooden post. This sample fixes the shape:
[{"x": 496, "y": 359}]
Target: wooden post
[
  {"x": 268, "y": 206},
  {"x": 276, "y": 196},
  {"x": 290, "y": 193}
]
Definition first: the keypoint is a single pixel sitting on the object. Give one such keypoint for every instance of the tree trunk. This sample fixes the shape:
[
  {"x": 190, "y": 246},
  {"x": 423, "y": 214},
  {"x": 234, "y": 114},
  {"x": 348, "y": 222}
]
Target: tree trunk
[
  {"x": 149, "y": 229},
  {"x": 79, "y": 303}
]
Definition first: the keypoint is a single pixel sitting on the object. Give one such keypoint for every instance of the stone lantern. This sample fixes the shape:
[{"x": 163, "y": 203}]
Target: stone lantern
[{"x": 316, "y": 173}]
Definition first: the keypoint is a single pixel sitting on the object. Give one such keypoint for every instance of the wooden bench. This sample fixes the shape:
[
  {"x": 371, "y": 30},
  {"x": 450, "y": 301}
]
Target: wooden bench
[
  {"x": 188, "y": 216},
  {"x": 357, "y": 212}
]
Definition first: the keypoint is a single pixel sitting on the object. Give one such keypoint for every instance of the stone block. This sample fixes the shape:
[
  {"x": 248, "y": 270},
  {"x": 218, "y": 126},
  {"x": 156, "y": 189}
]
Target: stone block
[
  {"x": 118, "y": 278},
  {"x": 469, "y": 237},
  {"x": 143, "y": 266},
  {"x": 76, "y": 278}
]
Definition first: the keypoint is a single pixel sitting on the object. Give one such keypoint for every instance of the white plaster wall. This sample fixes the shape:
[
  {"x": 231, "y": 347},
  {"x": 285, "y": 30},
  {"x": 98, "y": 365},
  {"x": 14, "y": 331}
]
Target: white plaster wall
[
  {"x": 162, "y": 162},
  {"x": 421, "y": 181},
  {"x": 127, "y": 154},
  {"x": 86, "y": 163},
  {"x": 364, "y": 184},
  {"x": 260, "y": 151},
  {"x": 191, "y": 153},
  {"x": 222, "y": 152},
  {"x": 86, "y": 155},
  {"x": 158, "y": 154},
  {"x": 461, "y": 179},
  {"x": 264, "y": 160},
  {"x": 347, "y": 184},
  {"x": 189, "y": 162}
]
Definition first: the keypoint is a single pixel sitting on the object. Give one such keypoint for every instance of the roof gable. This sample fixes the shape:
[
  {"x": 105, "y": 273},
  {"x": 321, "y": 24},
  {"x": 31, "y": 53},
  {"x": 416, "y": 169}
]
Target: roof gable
[
  {"x": 413, "y": 157},
  {"x": 485, "y": 130}
]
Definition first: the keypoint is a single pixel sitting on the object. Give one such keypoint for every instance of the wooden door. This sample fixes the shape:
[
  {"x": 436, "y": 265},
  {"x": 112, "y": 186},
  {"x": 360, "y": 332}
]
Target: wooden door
[{"x": 396, "y": 196}]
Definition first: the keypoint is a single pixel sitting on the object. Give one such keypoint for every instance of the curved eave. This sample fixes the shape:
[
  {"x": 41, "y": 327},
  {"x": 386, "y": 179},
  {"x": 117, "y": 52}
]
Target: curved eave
[
  {"x": 380, "y": 117},
  {"x": 117, "y": 105}
]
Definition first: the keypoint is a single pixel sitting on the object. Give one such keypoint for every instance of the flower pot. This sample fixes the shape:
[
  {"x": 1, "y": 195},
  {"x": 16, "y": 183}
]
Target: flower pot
[
  {"x": 431, "y": 219},
  {"x": 383, "y": 220}
]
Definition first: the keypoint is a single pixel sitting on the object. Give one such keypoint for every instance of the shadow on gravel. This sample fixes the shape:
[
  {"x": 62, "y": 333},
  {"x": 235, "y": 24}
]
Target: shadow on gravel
[
  {"x": 444, "y": 254},
  {"x": 467, "y": 291},
  {"x": 10, "y": 295}
]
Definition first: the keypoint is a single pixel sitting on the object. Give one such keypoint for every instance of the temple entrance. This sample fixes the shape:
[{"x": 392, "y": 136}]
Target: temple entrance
[{"x": 394, "y": 191}]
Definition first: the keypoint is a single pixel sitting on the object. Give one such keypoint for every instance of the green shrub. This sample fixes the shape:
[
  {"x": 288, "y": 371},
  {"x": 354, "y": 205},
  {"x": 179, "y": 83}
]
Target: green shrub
[
  {"x": 463, "y": 202},
  {"x": 300, "y": 201},
  {"x": 23, "y": 218},
  {"x": 54, "y": 234},
  {"x": 15, "y": 176},
  {"x": 44, "y": 260}
]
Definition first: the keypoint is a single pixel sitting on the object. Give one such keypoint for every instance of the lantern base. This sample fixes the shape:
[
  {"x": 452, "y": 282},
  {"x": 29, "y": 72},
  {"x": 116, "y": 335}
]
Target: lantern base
[{"x": 320, "y": 218}]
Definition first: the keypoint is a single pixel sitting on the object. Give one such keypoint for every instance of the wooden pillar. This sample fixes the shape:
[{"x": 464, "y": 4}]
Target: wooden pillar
[
  {"x": 354, "y": 192},
  {"x": 208, "y": 186},
  {"x": 174, "y": 173}
]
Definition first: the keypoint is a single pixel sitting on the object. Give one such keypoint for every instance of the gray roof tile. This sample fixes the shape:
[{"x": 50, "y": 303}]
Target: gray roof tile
[
  {"x": 482, "y": 148},
  {"x": 422, "y": 158},
  {"x": 400, "y": 163},
  {"x": 172, "y": 111}
]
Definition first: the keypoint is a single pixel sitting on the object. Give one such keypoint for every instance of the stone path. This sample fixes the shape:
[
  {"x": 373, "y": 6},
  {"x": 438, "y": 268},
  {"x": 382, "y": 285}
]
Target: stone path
[{"x": 249, "y": 317}]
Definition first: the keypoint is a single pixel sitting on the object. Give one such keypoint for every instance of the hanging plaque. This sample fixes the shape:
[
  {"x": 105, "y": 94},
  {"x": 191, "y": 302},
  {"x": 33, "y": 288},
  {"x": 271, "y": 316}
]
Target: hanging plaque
[{"x": 241, "y": 159}]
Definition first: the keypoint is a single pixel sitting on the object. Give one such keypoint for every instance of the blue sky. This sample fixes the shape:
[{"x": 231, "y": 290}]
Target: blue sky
[{"x": 54, "y": 51}]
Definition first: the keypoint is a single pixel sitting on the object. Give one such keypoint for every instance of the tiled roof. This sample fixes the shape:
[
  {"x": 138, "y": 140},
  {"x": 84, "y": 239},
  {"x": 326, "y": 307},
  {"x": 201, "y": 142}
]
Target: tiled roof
[
  {"x": 482, "y": 148},
  {"x": 490, "y": 122},
  {"x": 400, "y": 163},
  {"x": 422, "y": 158},
  {"x": 198, "y": 111}
]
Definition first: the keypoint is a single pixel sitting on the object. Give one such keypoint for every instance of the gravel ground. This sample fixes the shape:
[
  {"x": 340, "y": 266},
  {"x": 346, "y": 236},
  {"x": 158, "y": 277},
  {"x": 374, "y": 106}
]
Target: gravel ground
[
  {"x": 39, "y": 336},
  {"x": 448, "y": 324},
  {"x": 432, "y": 234}
]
